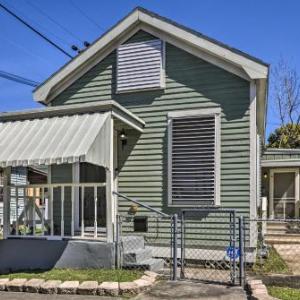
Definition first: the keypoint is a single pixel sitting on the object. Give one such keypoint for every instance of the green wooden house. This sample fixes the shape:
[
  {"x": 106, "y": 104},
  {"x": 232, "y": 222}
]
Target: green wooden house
[{"x": 153, "y": 110}]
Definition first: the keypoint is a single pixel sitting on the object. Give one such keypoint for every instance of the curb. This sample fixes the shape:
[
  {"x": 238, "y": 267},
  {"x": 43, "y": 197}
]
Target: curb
[
  {"x": 259, "y": 290},
  {"x": 85, "y": 288}
]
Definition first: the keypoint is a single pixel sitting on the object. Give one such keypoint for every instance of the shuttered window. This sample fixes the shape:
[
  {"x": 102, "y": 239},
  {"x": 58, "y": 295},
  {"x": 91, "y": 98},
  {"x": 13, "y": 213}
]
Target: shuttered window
[
  {"x": 140, "y": 66},
  {"x": 192, "y": 160}
]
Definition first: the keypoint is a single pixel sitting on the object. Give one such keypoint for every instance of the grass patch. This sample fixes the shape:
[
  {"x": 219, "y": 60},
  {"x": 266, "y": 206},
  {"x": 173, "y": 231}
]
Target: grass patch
[
  {"x": 272, "y": 264},
  {"x": 99, "y": 275},
  {"x": 284, "y": 293}
]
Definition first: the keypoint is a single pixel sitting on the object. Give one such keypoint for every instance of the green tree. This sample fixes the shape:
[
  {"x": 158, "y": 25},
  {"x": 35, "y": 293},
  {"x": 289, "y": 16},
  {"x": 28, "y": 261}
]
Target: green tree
[{"x": 286, "y": 136}]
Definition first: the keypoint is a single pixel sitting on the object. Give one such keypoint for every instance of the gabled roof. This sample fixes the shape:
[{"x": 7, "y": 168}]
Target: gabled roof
[{"x": 231, "y": 59}]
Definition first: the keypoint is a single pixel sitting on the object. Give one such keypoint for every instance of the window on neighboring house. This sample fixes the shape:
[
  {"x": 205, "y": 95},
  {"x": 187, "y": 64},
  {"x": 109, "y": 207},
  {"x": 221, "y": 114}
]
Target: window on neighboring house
[
  {"x": 194, "y": 157},
  {"x": 140, "y": 66}
]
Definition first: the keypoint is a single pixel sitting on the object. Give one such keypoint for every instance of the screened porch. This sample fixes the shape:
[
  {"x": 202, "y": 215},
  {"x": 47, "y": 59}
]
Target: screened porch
[
  {"x": 60, "y": 170},
  {"x": 57, "y": 209}
]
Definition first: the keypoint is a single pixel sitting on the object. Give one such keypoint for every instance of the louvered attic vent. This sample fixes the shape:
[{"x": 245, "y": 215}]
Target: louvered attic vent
[
  {"x": 140, "y": 66},
  {"x": 192, "y": 160}
]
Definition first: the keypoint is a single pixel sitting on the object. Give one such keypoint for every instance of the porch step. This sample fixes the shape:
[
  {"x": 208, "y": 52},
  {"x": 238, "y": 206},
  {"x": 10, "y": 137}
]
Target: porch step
[
  {"x": 90, "y": 235},
  {"x": 152, "y": 264},
  {"x": 137, "y": 256},
  {"x": 279, "y": 238},
  {"x": 276, "y": 225},
  {"x": 278, "y": 231},
  {"x": 132, "y": 243}
]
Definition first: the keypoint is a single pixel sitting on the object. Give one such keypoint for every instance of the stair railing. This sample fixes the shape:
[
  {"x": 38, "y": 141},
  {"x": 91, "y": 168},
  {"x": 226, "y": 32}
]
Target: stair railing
[
  {"x": 141, "y": 204},
  {"x": 174, "y": 234}
]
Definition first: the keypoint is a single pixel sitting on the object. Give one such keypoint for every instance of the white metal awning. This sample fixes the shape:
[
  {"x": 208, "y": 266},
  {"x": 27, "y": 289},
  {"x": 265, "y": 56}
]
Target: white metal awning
[{"x": 56, "y": 140}]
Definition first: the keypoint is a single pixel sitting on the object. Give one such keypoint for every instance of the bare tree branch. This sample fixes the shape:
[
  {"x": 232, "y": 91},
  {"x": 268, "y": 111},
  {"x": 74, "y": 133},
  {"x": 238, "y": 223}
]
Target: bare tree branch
[{"x": 286, "y": 92}]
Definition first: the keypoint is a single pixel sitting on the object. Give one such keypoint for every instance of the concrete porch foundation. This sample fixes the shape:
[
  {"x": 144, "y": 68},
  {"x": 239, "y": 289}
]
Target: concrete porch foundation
[{"x": 32, "y": 254}]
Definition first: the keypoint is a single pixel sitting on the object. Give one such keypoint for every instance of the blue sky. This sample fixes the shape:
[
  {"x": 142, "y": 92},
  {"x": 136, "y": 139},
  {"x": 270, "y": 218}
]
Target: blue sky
[{"x": 266, "y": 29}]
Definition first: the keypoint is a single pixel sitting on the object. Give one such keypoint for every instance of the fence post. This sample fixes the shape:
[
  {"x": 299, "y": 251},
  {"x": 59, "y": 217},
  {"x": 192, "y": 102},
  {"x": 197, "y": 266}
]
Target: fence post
[
  {"x": 241, "y": 249},
  {"x": 182, "y": 255},
  {"x": 233, "y": 224},
  {"x": 175, "y": 245},
  {"x": 118, "y": 242}
]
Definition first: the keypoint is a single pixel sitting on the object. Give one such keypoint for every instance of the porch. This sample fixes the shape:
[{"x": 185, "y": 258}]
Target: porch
[
  {"x": 76, "y": 149},
  {"x": 280, "y": 205},
  {"x": 281, "y": 184},
  {"x": 58, "y": 211}
]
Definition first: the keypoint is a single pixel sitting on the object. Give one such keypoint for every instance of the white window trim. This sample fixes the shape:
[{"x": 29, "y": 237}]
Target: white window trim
[
  {"x": 162, "y": 73},
  {"x": 188, "y": 113}
]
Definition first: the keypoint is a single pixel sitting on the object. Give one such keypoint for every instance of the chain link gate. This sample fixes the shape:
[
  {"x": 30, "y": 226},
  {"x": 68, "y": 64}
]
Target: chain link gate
[
  {"x": 211, "y": 246},
  {"x": 202, "y": 244}
]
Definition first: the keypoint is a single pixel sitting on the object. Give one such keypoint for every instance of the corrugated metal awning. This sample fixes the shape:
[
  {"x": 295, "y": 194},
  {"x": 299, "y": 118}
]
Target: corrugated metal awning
[{"x": 56, "y": 140}]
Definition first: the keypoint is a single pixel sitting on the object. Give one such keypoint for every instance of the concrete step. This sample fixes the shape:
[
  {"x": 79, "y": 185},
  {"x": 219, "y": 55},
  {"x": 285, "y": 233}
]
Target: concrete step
[
  {"x": 276, "y": 225},
  {"x": 137, "y": 256},
  {"x": 132, "y": 243},
  {"x": 276, "y": 231},
  {"x": 152, "y": 264},
  {"x": 282, "y": 238}
]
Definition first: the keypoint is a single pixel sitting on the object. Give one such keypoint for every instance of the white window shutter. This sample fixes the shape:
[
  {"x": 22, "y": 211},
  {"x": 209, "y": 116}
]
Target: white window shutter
[
  {"x": 140, "y": 66},
  {"x": 193, "y": 160}
]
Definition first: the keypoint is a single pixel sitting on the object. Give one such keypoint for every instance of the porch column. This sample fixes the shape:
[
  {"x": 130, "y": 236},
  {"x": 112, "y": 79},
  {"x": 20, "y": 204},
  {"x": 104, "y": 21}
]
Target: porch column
[
  {"x": 6, "y": 202},
  {"x": 76, "y": 180},
  {"x": 110, "y": 199}
]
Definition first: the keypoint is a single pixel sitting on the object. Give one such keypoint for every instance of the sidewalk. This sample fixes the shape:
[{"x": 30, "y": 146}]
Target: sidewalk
[{"x": 166, "y": 290}]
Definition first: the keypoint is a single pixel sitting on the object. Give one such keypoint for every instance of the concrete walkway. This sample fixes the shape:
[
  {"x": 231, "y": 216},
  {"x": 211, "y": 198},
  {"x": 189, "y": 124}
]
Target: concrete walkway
[
  {"x": 31, "y": 296},
  {"x": 167, "y": 290},
  {"x": 290, "y": 253}
]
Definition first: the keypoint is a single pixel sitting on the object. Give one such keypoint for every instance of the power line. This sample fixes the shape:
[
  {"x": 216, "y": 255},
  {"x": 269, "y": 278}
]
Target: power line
[
  {"x": 26, "y": 51},
  {"x": 54, "y": 21},
  {"x": 35, "y": 30},
  {"x": 19, "y": 79},
  {"x": 36, "y": 23},
  {"x": 86, "y": 16}
]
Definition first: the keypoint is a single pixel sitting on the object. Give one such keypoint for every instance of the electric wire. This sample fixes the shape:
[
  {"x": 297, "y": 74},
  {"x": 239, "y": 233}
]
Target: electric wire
[
  {"x": 86, "y": 15},
  {"x": 19, "y": 79},
  {"x": 35, "y": 30},
  {"x": 35, "y": 22},
  {"x": 54, "y": 21}
]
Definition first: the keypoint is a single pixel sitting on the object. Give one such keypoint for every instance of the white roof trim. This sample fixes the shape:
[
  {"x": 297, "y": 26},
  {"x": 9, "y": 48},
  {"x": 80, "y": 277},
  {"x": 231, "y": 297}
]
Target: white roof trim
[
  {"x": 122, "y": 31},
  {"x": 255, "y": 69},
  {"x": 117, "y": 110},
  {"x": 281, "y": 163}
]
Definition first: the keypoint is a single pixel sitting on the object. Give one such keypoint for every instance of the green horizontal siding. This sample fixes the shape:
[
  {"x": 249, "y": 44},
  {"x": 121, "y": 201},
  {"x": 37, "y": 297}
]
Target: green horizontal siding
[
  {"x": 281, "y": 155},
  {"x": 61, "y": 174},
  {"x": 191, "y": 83}
]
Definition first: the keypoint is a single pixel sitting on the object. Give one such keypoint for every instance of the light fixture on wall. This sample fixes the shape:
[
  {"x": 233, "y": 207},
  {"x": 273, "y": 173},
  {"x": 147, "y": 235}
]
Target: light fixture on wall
[
  {"x": 265, "y": 175},
  {"x": 123, "y": 138}
]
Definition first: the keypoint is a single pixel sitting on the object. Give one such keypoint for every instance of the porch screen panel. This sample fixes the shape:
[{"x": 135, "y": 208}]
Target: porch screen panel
[
  {"x": 193, "y": 147},
  {"x": 139, "y": 65}
]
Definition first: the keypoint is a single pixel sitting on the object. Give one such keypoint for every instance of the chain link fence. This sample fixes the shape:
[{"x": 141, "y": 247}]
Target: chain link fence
[
  {"x": 145, "y": 243},
  {"x": 210, "y": 246},
  {"x": 277, "y": 244},
  {"x": 199, "y": 245}
]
